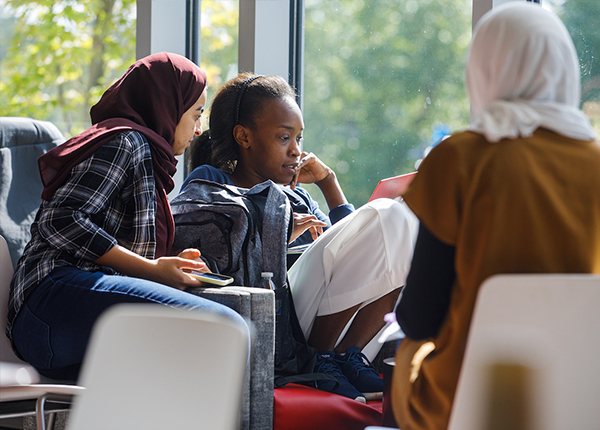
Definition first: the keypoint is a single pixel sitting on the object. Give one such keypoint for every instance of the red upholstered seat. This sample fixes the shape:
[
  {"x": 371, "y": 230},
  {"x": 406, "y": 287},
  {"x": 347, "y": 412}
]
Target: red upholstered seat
[{"x": 297, "y": 407}]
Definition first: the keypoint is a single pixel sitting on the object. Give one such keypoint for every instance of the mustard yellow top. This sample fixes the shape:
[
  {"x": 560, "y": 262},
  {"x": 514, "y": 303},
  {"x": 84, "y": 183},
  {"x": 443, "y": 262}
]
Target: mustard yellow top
[{"x": 528, "y": 205}]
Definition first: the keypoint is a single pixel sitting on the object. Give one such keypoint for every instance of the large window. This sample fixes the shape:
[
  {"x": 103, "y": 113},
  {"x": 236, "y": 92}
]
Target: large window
[{"x": 383, "y": 80}]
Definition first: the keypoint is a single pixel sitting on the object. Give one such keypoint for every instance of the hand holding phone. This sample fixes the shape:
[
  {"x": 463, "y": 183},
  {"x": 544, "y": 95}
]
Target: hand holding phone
[{"x": 211, "y": 278}]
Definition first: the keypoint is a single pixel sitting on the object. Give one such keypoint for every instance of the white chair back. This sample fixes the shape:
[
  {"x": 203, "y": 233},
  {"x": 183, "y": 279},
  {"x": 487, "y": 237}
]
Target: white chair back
[
  {"x": 537, "y": 337},
  {"x": 154, "y": 367},
  {"x": 6, "y": 272}
]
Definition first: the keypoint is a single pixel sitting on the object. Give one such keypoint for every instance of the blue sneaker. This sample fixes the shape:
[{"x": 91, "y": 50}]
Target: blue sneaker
[
  {"x": 326, "y": 363},
  {"x": 360, "y": 372}
]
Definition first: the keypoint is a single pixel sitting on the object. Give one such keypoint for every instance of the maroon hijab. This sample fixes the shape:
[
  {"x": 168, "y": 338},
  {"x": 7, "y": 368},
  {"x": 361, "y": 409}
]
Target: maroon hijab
[{"x": 150, "y": 98}]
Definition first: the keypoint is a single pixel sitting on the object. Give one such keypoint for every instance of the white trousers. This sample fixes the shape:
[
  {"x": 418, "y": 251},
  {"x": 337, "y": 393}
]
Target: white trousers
[{"x": 358, "y": 260}]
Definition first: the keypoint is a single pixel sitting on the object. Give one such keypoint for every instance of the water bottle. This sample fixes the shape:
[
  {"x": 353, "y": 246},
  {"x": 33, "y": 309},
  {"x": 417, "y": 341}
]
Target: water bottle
[{"x": 267, "y": 280}]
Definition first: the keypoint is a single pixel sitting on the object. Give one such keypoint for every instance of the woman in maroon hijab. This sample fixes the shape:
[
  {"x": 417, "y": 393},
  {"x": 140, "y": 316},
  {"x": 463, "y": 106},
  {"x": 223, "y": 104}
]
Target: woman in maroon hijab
[{"x": 104, "y": 229}]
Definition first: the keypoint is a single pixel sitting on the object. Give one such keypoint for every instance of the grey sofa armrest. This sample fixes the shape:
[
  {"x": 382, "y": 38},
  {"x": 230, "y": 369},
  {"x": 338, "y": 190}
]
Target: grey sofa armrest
[
  {"x": 22, "y": 141},
  {"x": 258, "y": 306}
]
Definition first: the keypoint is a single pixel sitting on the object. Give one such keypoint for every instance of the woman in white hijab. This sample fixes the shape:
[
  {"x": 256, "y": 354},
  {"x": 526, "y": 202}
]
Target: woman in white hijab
[
  {"x": 517, "y": 193},
  {"x": 522, "y": 74}
]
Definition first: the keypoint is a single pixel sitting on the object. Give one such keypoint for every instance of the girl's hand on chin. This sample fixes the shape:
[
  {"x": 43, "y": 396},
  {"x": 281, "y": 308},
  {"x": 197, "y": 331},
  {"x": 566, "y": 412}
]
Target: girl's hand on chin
[{"x": 310, "y": 170}]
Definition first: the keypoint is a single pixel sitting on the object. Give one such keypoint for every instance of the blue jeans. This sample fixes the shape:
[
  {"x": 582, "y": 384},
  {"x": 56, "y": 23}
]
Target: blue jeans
[{"x": 52, "y": 329}]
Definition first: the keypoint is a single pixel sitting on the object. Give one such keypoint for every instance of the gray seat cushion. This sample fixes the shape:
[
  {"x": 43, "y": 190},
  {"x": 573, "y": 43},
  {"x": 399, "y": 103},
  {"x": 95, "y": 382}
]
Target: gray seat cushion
[{"x": 22, "y": 142}]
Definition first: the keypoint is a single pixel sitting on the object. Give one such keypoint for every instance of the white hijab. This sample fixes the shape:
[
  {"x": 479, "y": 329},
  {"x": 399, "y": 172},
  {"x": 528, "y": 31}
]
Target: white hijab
[{"x": 523, "y": 73}]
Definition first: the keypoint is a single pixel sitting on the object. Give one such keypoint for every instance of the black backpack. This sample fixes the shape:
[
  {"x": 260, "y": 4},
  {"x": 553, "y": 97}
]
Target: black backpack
[{"x": 242, "y": 233}]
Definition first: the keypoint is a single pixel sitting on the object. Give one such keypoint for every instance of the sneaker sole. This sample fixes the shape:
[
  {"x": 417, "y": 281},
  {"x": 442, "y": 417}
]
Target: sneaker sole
[{"x": 361, "y": 399}]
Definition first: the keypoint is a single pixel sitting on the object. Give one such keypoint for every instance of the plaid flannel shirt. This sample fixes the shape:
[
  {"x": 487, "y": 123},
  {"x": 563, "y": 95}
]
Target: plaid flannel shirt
[{"x": 108, "y": 199}]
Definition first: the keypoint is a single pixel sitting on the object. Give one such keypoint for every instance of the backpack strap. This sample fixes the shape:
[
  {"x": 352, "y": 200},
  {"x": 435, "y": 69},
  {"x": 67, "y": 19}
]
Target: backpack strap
[{"x": 277, "y": 217}]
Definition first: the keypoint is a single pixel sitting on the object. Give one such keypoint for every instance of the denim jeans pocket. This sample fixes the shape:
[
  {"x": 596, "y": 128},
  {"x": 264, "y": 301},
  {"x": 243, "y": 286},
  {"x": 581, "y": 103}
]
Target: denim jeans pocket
[{"x": 32, "y": 339}]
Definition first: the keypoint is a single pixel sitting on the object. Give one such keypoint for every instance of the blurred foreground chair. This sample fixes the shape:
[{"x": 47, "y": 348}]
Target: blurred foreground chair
[
  {"x": 23, "y": 396},
  {"x": 532, "y": 356},
  {"x": 154, "y": 367}
]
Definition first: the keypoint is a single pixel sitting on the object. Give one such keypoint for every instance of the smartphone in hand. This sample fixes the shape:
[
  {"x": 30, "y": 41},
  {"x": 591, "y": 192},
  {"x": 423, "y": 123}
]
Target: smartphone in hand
[{"x": 211, "y": 278}]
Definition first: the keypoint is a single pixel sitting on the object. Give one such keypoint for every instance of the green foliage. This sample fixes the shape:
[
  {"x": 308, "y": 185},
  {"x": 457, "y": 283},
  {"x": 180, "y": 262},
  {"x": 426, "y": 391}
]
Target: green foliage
[
  {"x": 58, "y": 57},
  {"x": 582, "y": 18},
  {"x": 62, "y": 56},
  {"x": 219, "y": 36},
  {"x": 380, "y": 76}
]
